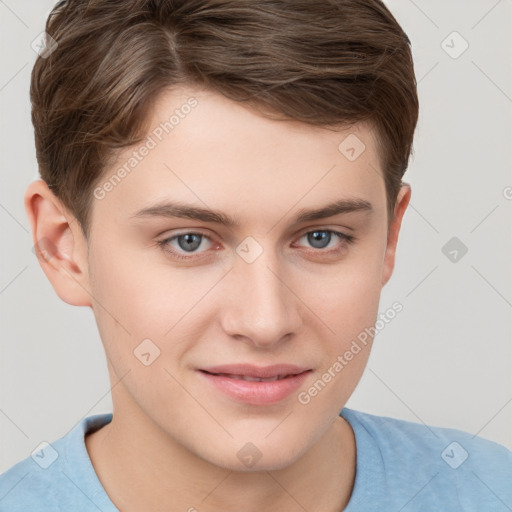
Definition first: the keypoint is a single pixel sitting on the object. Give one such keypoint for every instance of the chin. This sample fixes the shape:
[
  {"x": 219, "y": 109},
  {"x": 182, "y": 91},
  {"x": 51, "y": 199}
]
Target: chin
[{"x": 253, "y": 457}]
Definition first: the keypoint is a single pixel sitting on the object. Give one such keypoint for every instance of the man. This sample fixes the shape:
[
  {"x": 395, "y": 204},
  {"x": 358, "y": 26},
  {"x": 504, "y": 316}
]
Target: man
[{"x": 222, "y": 186}]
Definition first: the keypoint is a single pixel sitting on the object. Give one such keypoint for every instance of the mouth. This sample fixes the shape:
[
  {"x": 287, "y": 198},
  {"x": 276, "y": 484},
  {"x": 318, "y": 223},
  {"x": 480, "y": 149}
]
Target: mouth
[
  {"x": 256, "y": 385},
  {"x": 248, "y": 378}
]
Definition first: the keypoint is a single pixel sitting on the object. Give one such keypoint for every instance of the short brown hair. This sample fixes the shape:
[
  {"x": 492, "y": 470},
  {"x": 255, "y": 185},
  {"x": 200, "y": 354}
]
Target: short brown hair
[{"x": 323, "y": 62}]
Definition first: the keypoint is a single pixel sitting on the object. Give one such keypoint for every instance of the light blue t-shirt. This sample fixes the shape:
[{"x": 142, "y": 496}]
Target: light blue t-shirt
[{"x": 401, "y": 466}]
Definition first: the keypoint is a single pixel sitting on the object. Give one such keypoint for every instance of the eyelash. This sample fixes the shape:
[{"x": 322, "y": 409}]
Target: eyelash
[{"x": 163, "y": 244}]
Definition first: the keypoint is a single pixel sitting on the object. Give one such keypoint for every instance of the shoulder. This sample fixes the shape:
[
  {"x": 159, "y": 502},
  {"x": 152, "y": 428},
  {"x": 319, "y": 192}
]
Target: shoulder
[
  {"x": 56, "y": 476},
  {"x": 31, "y": 483},
  {"x": 475, "y": 473},
  {"x": 395, "y": 434}
]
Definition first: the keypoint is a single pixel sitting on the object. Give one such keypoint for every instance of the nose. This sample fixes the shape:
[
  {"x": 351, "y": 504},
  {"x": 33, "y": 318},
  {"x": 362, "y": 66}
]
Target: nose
[{"x": 263, "y": 308}]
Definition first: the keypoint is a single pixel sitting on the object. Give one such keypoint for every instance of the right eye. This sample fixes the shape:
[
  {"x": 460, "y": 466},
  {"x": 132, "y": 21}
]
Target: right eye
[{"x": 188, "y": 242}]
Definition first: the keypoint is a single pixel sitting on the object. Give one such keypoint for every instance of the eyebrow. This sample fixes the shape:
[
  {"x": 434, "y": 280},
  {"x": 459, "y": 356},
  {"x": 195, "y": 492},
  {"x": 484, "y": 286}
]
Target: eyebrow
[{"x": 169, "y": 209}]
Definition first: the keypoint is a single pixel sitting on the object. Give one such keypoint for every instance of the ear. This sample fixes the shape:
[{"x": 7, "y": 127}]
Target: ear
[
  {"x": 59, "y": 244},
  {"x": 402, "y": 201}
]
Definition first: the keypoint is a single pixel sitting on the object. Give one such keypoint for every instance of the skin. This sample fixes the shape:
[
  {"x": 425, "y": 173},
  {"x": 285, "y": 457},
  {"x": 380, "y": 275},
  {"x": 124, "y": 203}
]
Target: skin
[{"x": 173, "y": 441}]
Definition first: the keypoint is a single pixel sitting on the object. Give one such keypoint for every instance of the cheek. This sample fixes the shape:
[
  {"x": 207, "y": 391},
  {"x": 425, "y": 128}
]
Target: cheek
[
  {"x": 348, "y": 295},
  {"x": 349, "y": 307},
  {"x": 143, "y": 307},
  {"x": 132, "y": 289},
  {"x": 130, "y": 305}
]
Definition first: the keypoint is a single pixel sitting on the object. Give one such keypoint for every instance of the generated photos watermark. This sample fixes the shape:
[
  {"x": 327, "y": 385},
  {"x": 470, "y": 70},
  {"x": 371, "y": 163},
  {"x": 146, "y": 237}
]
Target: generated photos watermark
[
  {"x": 151, "y": 141},
  {"x": 305, "y": 397}
]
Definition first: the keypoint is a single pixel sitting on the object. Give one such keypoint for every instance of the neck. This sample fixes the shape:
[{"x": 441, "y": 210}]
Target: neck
[{"x": 137, "y": 474}]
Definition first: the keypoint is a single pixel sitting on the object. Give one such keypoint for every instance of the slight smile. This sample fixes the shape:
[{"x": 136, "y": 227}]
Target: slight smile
[{"x": 256, "y": 385}]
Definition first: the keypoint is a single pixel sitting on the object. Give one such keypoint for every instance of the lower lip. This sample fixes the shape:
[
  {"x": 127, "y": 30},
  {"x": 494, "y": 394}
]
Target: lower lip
[{"x": 256, "y": 393}]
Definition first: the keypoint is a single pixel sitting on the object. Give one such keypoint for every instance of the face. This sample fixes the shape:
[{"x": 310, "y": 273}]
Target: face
[{"x": 226, "y": 334}]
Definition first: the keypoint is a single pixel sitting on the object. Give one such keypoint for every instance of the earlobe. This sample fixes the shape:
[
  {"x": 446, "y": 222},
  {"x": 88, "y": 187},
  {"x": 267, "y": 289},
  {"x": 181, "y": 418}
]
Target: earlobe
[
  {"x": 403, "y": 199},
  {"x": 58, "y": 244}
]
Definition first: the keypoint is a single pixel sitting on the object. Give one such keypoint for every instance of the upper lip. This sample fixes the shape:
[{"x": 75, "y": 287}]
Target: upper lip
[{"x": 261, "y": 372}]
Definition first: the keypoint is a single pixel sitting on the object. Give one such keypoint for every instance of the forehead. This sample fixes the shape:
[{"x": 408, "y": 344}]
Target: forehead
[
  {"x": 226, "y": 128},
  {"x": 205, "y": 149}
]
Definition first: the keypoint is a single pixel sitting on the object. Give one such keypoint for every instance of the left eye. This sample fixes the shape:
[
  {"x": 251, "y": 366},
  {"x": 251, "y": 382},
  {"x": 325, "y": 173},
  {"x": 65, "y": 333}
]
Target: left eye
[
  {"x": 321, "y": 238},
  {"x": 191, "y": 241}
]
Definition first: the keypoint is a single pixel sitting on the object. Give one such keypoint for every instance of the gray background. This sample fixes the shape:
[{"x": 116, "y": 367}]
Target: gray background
[{"x": 445, "y": 360}]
